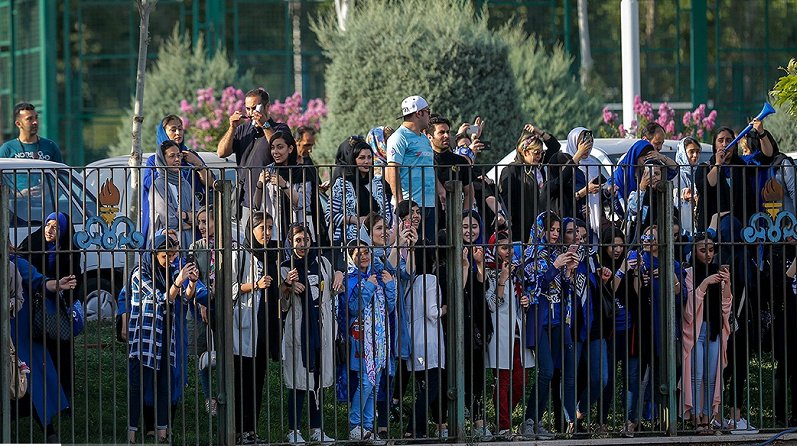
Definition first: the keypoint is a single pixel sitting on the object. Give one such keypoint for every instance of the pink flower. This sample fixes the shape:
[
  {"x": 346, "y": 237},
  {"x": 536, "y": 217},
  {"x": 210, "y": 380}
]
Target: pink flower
[
  {"x": 186, "y": 122},
  {"x": 670, "y": 127},
  {"x": 699, "y": 113},
  {"x": 208, "y": 139},
  {"x": 621, "y": 129},
  {"x": 185, "y": 107},
  {"x": 700, "y": 133},
  {"x": 687, "y": 118},
  {"x": 608, "y": 116}
]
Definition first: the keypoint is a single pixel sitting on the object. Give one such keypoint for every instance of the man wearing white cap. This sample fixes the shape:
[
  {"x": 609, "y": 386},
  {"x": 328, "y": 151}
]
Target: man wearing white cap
[{"x": 411, "y": 157}]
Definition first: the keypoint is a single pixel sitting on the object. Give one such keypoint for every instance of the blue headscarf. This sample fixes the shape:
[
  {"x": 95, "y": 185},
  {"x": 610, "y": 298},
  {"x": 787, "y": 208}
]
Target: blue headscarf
[
  {"x": 148, "y": 176},
  {"x": 63, "y": 231},
  {"x": 625, "y": 175},
  {"x": 539, "y": 257}
]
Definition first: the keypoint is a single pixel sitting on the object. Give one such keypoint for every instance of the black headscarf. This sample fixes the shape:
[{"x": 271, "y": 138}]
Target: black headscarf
[
  {"x": 311, "y": 315},
  {"x": 712, "y": 304}
]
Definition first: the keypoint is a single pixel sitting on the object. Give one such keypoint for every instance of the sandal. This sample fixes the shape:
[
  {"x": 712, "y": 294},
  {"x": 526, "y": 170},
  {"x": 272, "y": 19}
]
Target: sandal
[{"x": 704, "y": 429}]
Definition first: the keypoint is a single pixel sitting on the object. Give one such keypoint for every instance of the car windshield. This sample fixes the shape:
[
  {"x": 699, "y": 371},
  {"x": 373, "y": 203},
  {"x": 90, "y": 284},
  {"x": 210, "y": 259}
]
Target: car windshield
[{"x": 35, "y": 195}]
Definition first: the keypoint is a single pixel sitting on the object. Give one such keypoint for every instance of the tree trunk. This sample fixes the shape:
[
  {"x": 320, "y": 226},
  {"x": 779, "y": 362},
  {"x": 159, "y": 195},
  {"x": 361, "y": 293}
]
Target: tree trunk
[
  {"x": 584, "y": 44},
  {"x": 343, "y": 7}
]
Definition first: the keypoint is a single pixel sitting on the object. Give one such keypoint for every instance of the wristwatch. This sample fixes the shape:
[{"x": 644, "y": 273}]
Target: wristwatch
[{"x": 266, "y": 125}]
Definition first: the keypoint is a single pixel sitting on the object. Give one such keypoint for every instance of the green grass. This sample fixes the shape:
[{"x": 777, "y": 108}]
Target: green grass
[{"x": 99, "y": 412}]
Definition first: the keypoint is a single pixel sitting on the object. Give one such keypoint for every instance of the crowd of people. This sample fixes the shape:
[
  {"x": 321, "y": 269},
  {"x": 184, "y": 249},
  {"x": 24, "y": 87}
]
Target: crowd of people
[{"x": 344, "y": 281}]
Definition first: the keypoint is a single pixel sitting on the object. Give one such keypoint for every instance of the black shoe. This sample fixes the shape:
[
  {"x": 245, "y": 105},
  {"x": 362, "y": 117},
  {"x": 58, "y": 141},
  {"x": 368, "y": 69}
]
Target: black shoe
[{"x": 52, "y": 438}]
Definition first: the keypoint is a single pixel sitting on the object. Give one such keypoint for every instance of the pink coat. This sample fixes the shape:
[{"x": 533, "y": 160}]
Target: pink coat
[{"x": 692, "y": 320}]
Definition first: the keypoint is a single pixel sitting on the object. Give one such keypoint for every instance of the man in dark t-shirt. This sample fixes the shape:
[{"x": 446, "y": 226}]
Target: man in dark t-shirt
[
  {"x": 249, "y": 142},
  {"x": 448, "y": 165}
]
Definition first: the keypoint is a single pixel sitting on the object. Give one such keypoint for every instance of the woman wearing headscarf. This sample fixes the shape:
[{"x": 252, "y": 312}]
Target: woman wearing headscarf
[
  {"x": 548, "y": 269},
  {"x": 687, "y": 157},
  {"x": 621, "y": 343},
  {"x": 357, "y": 192},
  {"x": 586, "y": 181},
  {"x": 374, "y": 232},
  {"x": 522, "y": 180},
  {"x": 255, "y": 298},
  {"x": 201, "y": 180},
  {"x": 47, "y": 395},
  {"x": 371, "y": 291},
  {"x": 308, "y": 364},
  {"x": 152, "y": 337},
  {"x": 49, "y": 250},
  {"x": 508, "y": 303},
  {"x": 706, "y": 329},
  {"x": 173, "y": 202},
  {"x": 377, "y": 139}
]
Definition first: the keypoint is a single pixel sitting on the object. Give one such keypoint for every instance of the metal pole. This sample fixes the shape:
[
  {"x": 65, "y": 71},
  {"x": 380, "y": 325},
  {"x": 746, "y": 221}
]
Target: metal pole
[
  {"x": 5, "y": 316},
  {"x": 223, "y": 296},
  {"x": 699, "y": 52},
  {"x": 667, "y": 323},
  {"x": 629, "y": 26},
  {"x": 455, "y": 350}
]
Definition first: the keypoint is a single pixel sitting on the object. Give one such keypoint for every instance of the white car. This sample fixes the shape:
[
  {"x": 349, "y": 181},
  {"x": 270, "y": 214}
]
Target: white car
[
  {"x": 607, "y": 152},
  {"x": 42, "y": 187}
]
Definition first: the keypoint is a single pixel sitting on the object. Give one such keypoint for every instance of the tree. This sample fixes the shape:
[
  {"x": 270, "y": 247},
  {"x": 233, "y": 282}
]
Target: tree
[
  {"x": 181, "y": 70},
  {"x": 445, "y": 52},
  {"x": 785, "y": 91}
]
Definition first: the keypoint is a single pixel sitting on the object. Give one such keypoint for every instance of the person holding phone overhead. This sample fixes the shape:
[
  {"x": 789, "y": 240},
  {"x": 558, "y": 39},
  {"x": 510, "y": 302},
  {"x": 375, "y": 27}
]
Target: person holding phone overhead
[
  {"x": 250, "y": 144},
  {"x": 587, "y": 182},
  {"x": 523, "y": 179}
]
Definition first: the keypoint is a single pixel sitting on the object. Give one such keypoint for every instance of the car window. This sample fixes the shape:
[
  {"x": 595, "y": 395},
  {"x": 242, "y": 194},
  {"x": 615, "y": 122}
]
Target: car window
[
  {"x": 35, "y": 196},
  {"x": 78, "y": 199}
]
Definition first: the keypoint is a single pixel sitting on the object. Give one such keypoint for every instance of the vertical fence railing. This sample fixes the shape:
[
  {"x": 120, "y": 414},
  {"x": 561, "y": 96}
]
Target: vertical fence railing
[
  {"x": 668, "y": 314},
  {"x": 223, "y": 237},
  {"x": 455, "y": 350},
  {"x": 5, "y": 316}
]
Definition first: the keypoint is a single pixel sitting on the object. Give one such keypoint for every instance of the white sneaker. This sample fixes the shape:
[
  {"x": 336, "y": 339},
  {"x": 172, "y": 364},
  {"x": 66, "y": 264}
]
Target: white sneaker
[
  {"x": 443, "y": 433},
  {"x": 319, "y": 436},
  {"x": 742, "y": 427},
  {"x": 295, "y": 437},
  {"x": 359, "y": 433}
]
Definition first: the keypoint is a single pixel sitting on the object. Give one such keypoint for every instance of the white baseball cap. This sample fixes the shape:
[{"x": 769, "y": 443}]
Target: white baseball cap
[{"x": 412, "y": 104}]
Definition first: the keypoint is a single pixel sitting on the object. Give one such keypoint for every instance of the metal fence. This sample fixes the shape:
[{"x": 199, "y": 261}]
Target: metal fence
[{"x": 367, "y": 325}]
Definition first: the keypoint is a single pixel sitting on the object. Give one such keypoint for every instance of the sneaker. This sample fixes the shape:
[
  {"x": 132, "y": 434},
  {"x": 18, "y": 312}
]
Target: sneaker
[
  {"x": 358, "y": 433},
  {"x": 629, "y": 427},
  {"x": 527, "y": 430},
  {"x": 442, "y": 434},
  {"x": 294, "y": 436},
  {"x": 715, "y": 425},
  {"x": 482, "y": 434},
  {"x": 601, "y": 430},
  {"x": 741, "y": 427},
  {"x": 508, "y": 435},
  {"x": 578, "y": 429},
  {"x": 319, "y": 436},
  {"x": 542, "y": 433}
]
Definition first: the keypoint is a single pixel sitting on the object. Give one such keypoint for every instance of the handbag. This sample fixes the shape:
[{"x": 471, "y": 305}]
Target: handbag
[
  {"x": 54, "y": 327},
  {"x": 19, "y": 374},
  {"x": 207, "y": 360},
  {"x": 78, "y": 318}
]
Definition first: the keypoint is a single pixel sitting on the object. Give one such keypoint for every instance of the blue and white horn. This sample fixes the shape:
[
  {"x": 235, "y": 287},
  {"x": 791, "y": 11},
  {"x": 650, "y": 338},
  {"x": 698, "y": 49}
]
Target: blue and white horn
[{"x": 766, "y": 111}]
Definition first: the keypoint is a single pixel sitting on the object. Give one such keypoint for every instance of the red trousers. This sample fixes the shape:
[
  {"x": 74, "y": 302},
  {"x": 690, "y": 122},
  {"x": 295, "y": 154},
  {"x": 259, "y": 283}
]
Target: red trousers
[{"x": 504, "y": 402}]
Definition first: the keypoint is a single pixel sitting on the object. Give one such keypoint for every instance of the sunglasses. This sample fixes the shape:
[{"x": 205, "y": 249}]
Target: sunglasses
[{"x": 648, "y": 238}]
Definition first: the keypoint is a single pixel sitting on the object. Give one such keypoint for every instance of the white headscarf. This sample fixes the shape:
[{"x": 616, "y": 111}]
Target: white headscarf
[
  {"x": 591, "y": 169},
  {"x": 686, "y": 180}
]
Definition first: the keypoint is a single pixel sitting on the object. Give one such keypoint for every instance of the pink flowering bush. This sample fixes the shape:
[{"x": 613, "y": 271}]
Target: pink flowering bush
[
  {"x": 696, "y": 123},
  {"x": 206, "y": 119}
]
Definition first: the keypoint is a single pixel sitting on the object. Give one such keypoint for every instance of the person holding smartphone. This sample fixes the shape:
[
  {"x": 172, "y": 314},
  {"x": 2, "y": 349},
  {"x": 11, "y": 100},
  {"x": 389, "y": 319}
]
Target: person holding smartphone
[{"x": 706, "y": 328}]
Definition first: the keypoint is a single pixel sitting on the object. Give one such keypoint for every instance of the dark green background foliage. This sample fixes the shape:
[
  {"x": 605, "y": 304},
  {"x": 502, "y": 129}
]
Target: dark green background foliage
[
  {"x": 445, "y": 52},
  {"x": 181, "y": 70}
]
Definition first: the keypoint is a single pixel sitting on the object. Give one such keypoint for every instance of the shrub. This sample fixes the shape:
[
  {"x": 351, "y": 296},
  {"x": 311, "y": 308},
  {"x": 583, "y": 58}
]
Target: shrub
[
  {"x": 696, "y": 124},
  {"x": 179, "y": 72},
  {"x": 783, "y": 128},
  {"x": 441, "y": 50},
  {"x": 785, "y": 90},
  {"x": 550, "y": 97}
]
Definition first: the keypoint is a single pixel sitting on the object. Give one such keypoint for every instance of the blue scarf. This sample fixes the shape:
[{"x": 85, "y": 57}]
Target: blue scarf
[
  {"x": 311, "y": 315},
  {"x": 63, "y": 231}
]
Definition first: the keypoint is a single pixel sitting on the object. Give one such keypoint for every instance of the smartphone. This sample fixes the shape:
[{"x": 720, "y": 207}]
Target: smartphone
[
  {"x": 725, "y": 267},
  {"x": 472, "y": 130},
  {"x": 486, "y": 145},
  {"x": 259, "y": 108},
  {"x": 190, "y": 258},
  {"x": 587, "y": 136},
  {"x": 407, "y": 224},
  {"x": 599, "y": 179},
  {"x": 572, "y": 248}
]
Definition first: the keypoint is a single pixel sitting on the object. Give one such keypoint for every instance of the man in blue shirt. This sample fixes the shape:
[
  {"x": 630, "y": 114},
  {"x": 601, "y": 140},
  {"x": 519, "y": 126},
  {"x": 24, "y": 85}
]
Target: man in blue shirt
[
  {"x": 29, "y": 145},
  {"x": 409, "y": 153}
]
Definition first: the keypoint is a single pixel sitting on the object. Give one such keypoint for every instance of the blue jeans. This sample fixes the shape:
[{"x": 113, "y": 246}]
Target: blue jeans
[
  {"x": 594, "y": 352},
  {"x": 705, "y": 355},
  {"x": 362, "y": 402},
  {"x": 619, "y": 351},
  {"x": 549, "y": 353}
]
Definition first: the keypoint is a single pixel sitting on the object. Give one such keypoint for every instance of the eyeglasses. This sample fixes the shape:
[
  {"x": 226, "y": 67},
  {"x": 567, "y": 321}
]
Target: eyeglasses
[{"x": 648, "y": 238}]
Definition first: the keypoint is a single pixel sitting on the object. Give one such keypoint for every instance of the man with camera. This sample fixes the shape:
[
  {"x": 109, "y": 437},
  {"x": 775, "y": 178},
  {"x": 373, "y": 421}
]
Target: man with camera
[{"x": 250, "y": 144}]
